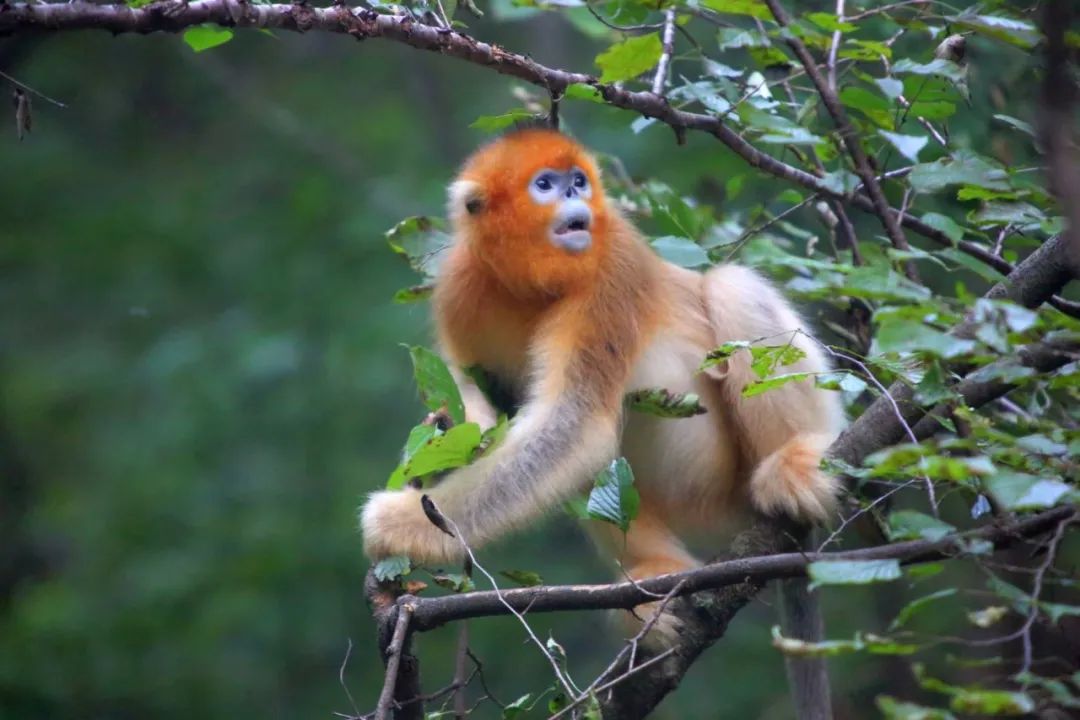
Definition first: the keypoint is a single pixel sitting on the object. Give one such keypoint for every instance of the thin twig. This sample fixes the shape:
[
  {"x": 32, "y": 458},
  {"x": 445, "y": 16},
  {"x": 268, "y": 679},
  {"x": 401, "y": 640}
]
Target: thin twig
[
  {"x": 612, "y": 683},
  {"x": 393, "y": 651},
  {"x": 834, "y": 47},
  {"x": 660, "y": 78},
  {"x": 31, "y": 90},
  {"x": 849, "y": 137}
]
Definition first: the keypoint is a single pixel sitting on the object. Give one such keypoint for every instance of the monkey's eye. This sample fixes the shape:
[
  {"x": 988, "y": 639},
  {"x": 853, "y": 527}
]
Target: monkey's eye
[
  {"x": 543, "y": 183},
  {"x": 580, "y": 180}
]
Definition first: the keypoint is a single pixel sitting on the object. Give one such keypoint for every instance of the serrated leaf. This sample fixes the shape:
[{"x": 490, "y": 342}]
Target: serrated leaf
[
  {"x": 664, "y": 403},
  {"x": 435, "y": 383},
  {"x": 852, "y": 572},
  {"x": 628, "y": 59},
  {"x": 392, "y": 568},
  {"x": 204, "y": 37},
  {"x": 614, "y": 498}
]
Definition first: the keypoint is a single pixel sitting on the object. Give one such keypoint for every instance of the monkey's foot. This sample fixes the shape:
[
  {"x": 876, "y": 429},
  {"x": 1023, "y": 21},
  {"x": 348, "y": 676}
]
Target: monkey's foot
[{"x": 394, "y": 523}]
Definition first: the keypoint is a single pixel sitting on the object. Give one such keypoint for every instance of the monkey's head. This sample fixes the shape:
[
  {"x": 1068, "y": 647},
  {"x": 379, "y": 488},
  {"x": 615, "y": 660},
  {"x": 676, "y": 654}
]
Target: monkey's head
[{"x": 531, "y": 206}]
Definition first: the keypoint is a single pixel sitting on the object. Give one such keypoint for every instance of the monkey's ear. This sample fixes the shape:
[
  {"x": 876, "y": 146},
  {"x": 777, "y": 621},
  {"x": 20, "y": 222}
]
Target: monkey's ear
[{"x": 466, "y": 195}]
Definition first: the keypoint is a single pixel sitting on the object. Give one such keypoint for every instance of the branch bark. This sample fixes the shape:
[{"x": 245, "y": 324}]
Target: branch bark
[
  {"x": 177, "y": 15},
  {"x": 749, "y": 567}
]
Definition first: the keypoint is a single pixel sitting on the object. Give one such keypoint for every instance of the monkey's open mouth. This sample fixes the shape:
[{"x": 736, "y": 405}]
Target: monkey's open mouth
[{"x": 574, "y": 237}]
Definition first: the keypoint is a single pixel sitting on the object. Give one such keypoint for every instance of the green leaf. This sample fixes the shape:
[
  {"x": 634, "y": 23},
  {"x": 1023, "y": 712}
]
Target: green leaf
[
  {"x": 664, "y": 403},
  {"x": 917, "y": 605},
  {"x": 438, "y": 452},
  {"x": 516, "y": 708},
  {"x": 964, "y": 168},
  {"x": 730, "y": 38},
  {"x": 893, "y": 709},
  {"x": 456, "y": 582},
  {"x": 1019, "y": 33},
  {"x": 435, "y": 383},
  {"x": 392, "y": 568},
  {"x": 1020, "y": 491},
  {"x": 829, "y": 21},
  {"x": 1020, "y": 125},
  {"x": 902, "y": 335},
  {"x": 416, "y": 293},
  {"x": 872, "y": 105},
  {"x": 945, "y": 224},
  {"x": 753, "y": 8},
  {"x": 890, "y": 87},
  {"x": 681, "y": 251},
  {"x": 580, "y": 91},
  {"x": 852, "y": 572},
  {"x": 204, "y": 37},
  {"x": 496, "y": 123},
  {"x": 932, "y": 388},
  {"x": 629, "y": 58},
  {"x": 1041, "y": 445},
  {"x": 907, "y": 145},
  {"x": 976, "y": 266},
  {"x": 973, "y": 701},
  {"x": 912, "y": 525},
  {"x": 938, "y": 66},
  {"x": 524, "y": 578},
  {"x": 758, "y": 387},
  {"x": 614, "y": 498},
  {"x": 421, "y": 241}
]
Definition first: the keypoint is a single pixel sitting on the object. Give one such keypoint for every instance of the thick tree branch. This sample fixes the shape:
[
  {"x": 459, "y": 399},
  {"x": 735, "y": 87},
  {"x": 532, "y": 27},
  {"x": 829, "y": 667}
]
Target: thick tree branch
[
  {"x": 176, "y": 16},
  {"x": 433, "y": 612}
]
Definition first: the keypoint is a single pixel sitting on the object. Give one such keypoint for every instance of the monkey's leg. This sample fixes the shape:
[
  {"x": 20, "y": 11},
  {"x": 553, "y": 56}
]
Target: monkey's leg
[{"x": 648, "y": 549}]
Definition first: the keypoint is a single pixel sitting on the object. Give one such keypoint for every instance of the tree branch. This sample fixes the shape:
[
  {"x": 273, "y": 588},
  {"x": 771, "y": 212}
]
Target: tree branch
[
  {"x": 848, "y": 135},
  {"x": 433, "y": 612},
  {"x": 177, "y": 15}
]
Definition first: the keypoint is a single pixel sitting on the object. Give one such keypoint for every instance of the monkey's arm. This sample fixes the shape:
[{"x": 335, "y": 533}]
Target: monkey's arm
[{"x": 566, "y": 432}]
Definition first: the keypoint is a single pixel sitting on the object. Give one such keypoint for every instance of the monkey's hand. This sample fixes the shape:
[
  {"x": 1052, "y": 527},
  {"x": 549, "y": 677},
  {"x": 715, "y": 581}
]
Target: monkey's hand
[{"x": 394, "y": 523}]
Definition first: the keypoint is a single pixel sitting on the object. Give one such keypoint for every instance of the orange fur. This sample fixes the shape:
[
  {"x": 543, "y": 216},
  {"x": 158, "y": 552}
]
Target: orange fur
[{"x": 571, "y": 333}]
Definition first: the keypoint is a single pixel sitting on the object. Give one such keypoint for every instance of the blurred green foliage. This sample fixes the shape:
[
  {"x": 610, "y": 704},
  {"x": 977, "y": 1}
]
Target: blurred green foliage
[{"x": 201, "y": 369}]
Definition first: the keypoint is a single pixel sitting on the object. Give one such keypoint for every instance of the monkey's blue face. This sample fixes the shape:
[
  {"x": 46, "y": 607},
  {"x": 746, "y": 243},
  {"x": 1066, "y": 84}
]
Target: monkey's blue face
[{"x": 568, "y": 193}]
